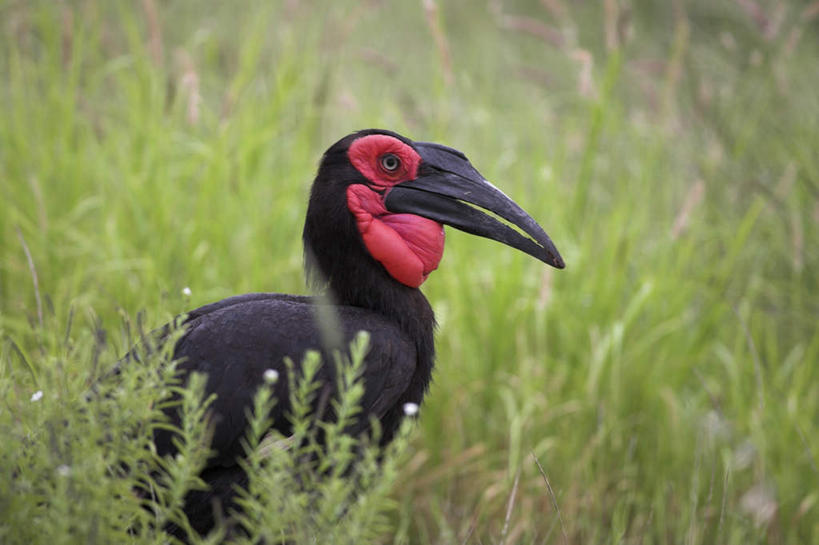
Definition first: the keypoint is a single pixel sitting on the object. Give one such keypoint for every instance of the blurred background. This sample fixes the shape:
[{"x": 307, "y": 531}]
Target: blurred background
[{"x": 157, "y": 155}]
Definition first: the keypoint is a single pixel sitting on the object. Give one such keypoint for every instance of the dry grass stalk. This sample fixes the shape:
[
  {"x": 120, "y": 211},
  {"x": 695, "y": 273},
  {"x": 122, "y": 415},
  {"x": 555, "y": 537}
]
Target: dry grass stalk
[
  {"x": 336, "y": 37},
  {"x": 610, "y": 24},
  {"x": 562, "y": 40},
  {"x": 585, "y": 81},
  {"x": 694, "y": 197},
  {"x": 189, "y": 86},
  {"x": 760, "y": 503},
  {"x": 810, "y": 12},
  {"x": 792, "y": 41},
  {"x": 769, "y": 25},
  {"x": 67, "y": 37},
  {"x": 556, "y": 8},
  {"x": 552, "y": 497},
  {"x": 798, "y": 242},
  {"x": 473, "y": 524},
  {"x": 379, "y": 59},
  {"x": 509, "y": 506},
  {"x": 33, "y": 271},
  {"x": 725, "y": 482},
  {"x": 754, "y": 11},
  {"x": 441, "y": 44},
  {"x": 648, "y": 67},
  {"x": 536, "y": 75},
  {"x": 533, "y": 27},
  {"x": 346, "y": 100},
  {"x": 749, "y": 339},
  {"x": 154, "y": 31},
  {"x": 779, "y": 15},
  {"x": 42, "y": 211}
]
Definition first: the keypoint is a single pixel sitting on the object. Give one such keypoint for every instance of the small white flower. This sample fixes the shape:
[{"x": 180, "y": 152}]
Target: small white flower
[
  {"x": 37, "y": 396},
  {"x": 410, "y": 409},
  {"x": 63, "y": 470},
  {"x": 271, "y": 376},
  {"x": 186, "y": 291}
]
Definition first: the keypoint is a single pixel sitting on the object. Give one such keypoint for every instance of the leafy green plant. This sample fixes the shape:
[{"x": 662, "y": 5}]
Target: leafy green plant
[
  {"x": 81, "y": 466},
  {"x": 319, "y": 484}
]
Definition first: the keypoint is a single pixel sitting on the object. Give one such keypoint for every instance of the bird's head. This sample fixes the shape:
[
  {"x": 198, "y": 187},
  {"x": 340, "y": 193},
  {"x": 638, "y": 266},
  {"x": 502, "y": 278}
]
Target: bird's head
[{"x": 396, "y": 194}]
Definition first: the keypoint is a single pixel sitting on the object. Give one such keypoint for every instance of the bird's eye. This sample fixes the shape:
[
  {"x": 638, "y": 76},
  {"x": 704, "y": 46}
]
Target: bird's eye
[{"x": 390, "y": 162}]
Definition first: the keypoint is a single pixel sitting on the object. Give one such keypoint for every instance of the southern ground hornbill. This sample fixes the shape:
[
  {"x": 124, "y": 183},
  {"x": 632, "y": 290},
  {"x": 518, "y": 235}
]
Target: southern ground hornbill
[{"x": 372, "y": 235}]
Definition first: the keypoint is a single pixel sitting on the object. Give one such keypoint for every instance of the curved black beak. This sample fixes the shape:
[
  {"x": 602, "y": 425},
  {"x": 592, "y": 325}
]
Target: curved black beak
[{"x": 449, "y": 190}]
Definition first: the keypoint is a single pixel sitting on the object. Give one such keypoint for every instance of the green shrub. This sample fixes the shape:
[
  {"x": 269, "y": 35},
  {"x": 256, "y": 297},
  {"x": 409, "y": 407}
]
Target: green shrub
[{"x": 81, "y": 466}]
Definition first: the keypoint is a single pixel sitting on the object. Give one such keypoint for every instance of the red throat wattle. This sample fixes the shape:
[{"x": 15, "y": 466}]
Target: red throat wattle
[{"x": 408, "y": 246}]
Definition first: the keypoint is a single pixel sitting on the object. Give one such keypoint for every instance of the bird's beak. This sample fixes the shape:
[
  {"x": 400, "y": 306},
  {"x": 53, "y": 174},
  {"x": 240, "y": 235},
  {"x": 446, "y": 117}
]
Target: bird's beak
[{"x": 451, "y": 191}]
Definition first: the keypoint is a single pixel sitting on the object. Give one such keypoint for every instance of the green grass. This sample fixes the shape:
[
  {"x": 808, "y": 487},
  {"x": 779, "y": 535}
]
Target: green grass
[{"x": 667, "y": 381}]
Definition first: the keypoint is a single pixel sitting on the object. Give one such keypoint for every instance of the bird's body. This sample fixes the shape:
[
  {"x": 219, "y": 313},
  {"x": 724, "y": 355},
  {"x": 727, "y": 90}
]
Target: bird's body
[
  {"x": 237, "y": 340},
  {"x": 373, "y": 233}
]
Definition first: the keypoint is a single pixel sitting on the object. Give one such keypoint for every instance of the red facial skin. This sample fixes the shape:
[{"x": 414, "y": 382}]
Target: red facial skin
[{"x": 408, "y": 246}]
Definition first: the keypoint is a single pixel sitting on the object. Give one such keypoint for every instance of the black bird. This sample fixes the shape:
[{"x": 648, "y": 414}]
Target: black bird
[{"x": 372, "y": 235}]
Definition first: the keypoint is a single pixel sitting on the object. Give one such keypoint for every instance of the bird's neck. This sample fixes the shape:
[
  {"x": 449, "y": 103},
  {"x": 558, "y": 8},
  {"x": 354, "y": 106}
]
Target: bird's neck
[
  {"x": 409, "y": 308},
  {"x": 372, "y": 288},
  {"x": 401, "y": 304},
  {"x": 355, "y": 279}
]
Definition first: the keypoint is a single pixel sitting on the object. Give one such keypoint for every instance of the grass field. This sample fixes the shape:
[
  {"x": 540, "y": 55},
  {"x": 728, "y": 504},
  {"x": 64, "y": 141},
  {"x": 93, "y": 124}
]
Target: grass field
[{"x": 666, "y": 384}]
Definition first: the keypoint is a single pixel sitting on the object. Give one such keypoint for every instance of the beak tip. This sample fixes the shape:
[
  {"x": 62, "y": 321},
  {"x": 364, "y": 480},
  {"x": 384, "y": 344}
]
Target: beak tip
[{"x": 552, "y": 256}]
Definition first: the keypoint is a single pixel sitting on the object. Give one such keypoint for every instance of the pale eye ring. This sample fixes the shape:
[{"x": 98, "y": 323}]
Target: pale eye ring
[{"x": 390, "y": 162}]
